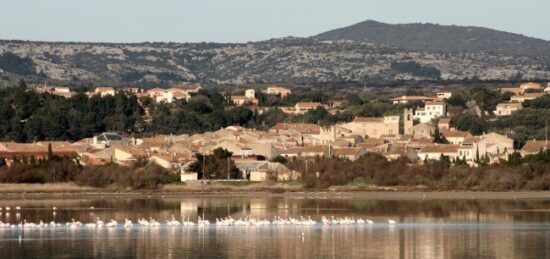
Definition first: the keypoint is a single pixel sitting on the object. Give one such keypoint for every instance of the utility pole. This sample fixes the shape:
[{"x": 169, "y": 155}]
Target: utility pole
[
  {"x": 203, "y": 174},
  {"x": 228, "y": 167}
]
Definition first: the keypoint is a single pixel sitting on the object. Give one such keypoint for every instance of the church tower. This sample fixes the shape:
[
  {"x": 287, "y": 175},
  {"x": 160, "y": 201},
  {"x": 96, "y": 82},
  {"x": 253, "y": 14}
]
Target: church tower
[{"x": 408, "y": 120}]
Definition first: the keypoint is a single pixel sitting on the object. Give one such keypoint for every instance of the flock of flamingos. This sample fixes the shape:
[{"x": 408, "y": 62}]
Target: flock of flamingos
[{"x": 220, "y": 222}]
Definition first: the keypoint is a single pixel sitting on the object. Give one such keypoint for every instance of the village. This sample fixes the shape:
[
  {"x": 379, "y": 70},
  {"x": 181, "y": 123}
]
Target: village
[{"x": 420, "y": 135}]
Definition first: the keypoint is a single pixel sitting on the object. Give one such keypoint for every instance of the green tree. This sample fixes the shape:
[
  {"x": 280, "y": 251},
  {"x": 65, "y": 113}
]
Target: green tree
[{"x": 439, "y": 138}]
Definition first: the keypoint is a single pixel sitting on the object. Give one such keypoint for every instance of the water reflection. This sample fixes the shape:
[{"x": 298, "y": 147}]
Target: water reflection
[{"x": 425, "y": 229}]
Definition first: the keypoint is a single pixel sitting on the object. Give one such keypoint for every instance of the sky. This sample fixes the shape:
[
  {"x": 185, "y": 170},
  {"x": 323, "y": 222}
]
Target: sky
[{"x": 250, "y": 20}]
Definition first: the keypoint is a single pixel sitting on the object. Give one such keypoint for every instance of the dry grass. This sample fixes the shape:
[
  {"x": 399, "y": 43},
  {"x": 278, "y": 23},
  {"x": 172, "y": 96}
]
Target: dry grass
[{"x": 43, "y": 188}]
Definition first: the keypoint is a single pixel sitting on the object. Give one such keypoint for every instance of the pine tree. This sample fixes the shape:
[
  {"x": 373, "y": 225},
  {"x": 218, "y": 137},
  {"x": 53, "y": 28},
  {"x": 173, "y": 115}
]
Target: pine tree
[{"x": 50, "y": 151}]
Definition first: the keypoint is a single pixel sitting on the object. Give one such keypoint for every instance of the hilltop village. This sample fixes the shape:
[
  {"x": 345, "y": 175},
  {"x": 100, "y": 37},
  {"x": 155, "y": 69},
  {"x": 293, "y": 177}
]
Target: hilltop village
[{"x": 417, "y": 128}]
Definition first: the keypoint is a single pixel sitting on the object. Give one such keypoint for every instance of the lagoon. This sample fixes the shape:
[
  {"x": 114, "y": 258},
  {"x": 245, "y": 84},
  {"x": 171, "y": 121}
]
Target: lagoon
[{"x": 425, "y": 228}]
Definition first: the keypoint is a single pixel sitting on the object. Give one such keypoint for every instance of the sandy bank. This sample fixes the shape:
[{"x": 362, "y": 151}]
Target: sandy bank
[{"x": 256, "y": 190}]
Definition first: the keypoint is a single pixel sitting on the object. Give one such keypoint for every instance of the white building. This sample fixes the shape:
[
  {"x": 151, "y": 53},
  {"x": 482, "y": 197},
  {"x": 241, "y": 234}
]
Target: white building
[
  {"x": 434, "y": 152},
  {"x": 506, "y": 109},
  {"x": 431, "y": 110},
  {"x": 444, "y": 95},
  {"x": 250, "y": 93}
]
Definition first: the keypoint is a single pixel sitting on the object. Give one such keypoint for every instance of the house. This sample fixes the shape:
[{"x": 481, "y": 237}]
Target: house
[
  {"x": 502, "y": 141},
  {"x": 59, "y": 91},
  {"x": 435, "y": 151},
  {"x": 530, "y": 86},
  {"x": 406, "y": 99},
  {"x": 444, "y": 95},
  {"x": 498, "y": 146},
  {"x": 455, "y": 137},
  {"x": 189, "y": 89},
  {"x": 315, "y": 151},
  {"x": 104, "y": 91},
  {"x": 295, "y": 128},
  {"x": 534, "y": 146},
  {"x": 303, "y": 107},
  {"x": 374, "y": 127},
  {"x": 170, "y": 161},
  {"x": 444, "y": 124},
  {"x": 277, "y": 90},
  {"x": 525, "y": 96},
  {"x": 131, "y": 90},
  {"x": 473, "y": 148},
  {"x": 244, "y": 100},
  {"x": 250, "y": 93},
  {"x": 431, "y": 110},
  {"x": 39, "y": 150},
  {"x": 107, "y": 139},
  {"x": 178, "y": 93},
  {"x": 63, "y": 91},
  {"x": 514, "y": 90},
  {"x": 422, "y": 130},
  {"x": 235, "y": 147},
  {"x": 506, "y": 109},
  {"x": 186, "y": 175},
  {"x": 259, "y": 171},
  {"x": 522, "y": 89},
  {"x": 330, "y": 134},
  {"x": 291, "y": 152},
  {"x": 351, "y": 154},
  {"x": 172, "y": 94},
  {"x": 372, "y": 143},
  {"x": 121, "y": 155}
]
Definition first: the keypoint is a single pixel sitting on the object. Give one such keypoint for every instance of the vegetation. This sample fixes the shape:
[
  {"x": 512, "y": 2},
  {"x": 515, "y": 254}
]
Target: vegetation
[
  {"x": 29, "y": 116},
  {"x": 528, "y": 174},
  {"x": 11, "y": 62},
  {"x": 416, "y": 69},
  {"x": 217, "y": 165},
  {"x": 65, "y": 169}
]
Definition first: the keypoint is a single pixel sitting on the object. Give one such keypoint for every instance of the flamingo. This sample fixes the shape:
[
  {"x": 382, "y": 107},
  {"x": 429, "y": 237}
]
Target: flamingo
[
  {"x": 90, "y": 225},
  {"x": 153, "y": 223},
  {"x": 173, "y": 222},
  {"x": 99, "y": 223},
  {"x": 112, "y": 223},
  {"x": 128, "y": 223}
]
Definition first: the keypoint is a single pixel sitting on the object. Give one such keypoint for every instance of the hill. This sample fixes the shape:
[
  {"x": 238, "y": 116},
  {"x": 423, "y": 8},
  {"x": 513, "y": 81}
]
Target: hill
[
  {"x": 434, "y": 37},
  {"x": 368, "y": 50}
]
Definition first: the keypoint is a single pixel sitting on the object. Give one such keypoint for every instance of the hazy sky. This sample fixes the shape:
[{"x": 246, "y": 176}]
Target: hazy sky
[{"x": 249, "y": 20}]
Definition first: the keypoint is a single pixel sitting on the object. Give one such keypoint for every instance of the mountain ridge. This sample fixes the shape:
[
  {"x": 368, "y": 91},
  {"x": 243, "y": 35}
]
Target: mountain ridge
[
  {"x": 436, "y": 37},
  {"x": 366, "y": 50}
]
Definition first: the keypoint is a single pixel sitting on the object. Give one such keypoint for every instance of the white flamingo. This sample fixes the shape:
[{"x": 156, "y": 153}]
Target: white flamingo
[
  {"x": 128, "y": 223},
  {"x": 112, "y": 223},
  {"x": 99, "y": 223}
]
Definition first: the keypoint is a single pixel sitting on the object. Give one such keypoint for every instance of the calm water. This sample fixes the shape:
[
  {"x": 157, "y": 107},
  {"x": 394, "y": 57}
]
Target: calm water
[{"x": 424, "y": 229}]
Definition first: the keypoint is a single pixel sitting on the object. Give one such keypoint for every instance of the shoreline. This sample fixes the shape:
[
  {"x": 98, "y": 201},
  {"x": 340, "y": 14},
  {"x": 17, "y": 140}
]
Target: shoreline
[{"x": 69, "y": 191}]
